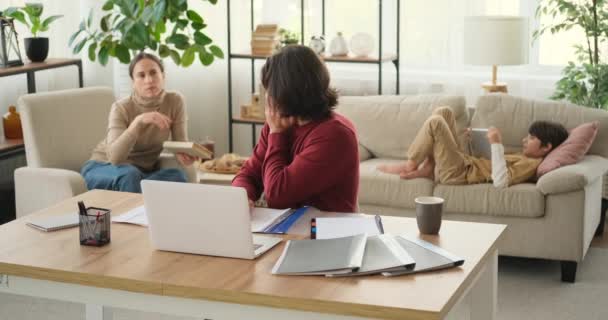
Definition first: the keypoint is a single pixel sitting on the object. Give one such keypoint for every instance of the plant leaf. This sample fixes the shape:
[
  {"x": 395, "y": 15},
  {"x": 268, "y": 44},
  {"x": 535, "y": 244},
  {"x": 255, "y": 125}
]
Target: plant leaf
[
  {"x": 164, "y": 51},
  {"x": 198, "y": 26},
  {"x": 201, "y": 39},
  {"x": 136, "y": 37},
  {"x": 78, "y": 47},
  {"x": 205, "y": 57},
  {"x": 194, "y": 16},
  {"x": 189, "y": 56},
  {"x": 123, "y": 54},
  {"x": 108, "y": 5},
  {"x": 180, "y": 41},
  {"x": 216, "y": 51},
  {"x": 74, "y": 36},
  {"x": 18, "y": 15},
  {"x": 175, "y": 56},
  {"x": 103, "y": 55},
  {"x": 92, "y": 48},
  {"x": 49, "y": 20}
]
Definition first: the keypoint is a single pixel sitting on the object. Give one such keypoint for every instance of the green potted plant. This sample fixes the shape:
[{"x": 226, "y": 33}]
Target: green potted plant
[
  {"x": 36, "y": 48},
  {"x": 287, "y": 37},
  {"x": 127, "y": 27},
  {"x": 584, "y": 82}
]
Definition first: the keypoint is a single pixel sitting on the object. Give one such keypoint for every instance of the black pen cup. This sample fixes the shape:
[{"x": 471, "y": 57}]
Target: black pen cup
[{"x": 95, "y": 227}]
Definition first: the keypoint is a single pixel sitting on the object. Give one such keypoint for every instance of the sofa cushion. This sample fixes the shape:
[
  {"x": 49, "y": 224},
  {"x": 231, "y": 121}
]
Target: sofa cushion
[
  {"x": 521, "y": 200},
  {"x": 387, "y": 125},
  {"x": 378, "y": 188},
  {"x": 513, "y": 116}
]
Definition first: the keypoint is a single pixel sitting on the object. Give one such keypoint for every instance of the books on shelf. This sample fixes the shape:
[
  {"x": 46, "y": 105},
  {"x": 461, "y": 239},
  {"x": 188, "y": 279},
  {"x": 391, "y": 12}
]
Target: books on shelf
[
  {"x": 265, "y": 39},
  {"x": 320, "y": 257},
  {"x": 188, "y": 147}
]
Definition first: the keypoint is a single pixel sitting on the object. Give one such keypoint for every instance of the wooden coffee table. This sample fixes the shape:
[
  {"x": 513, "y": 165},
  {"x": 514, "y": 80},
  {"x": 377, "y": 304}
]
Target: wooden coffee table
[{"x": 129, "y": 273}]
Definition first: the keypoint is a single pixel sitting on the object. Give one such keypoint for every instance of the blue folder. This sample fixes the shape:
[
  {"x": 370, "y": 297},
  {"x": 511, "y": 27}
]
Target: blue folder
[{"x": 284, "y": 226}]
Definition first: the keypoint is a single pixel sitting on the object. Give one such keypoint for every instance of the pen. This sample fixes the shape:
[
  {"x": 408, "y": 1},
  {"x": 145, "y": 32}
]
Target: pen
[{"x": 379, "y": 223}]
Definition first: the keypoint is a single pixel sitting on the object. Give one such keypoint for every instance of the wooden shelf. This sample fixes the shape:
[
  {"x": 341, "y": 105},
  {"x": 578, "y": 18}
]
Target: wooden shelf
[
  {"x": 326, "y": 57},
  {"x": 248, "y": 120}
]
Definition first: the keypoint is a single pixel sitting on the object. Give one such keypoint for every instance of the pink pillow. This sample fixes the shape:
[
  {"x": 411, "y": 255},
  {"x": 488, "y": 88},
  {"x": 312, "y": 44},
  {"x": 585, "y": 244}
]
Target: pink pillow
[{"x": 572, "y": 150}]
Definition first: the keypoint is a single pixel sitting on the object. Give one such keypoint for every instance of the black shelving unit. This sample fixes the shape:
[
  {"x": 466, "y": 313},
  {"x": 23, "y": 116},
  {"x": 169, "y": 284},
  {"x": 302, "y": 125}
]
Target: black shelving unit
[{"x": 368, "y": 60}]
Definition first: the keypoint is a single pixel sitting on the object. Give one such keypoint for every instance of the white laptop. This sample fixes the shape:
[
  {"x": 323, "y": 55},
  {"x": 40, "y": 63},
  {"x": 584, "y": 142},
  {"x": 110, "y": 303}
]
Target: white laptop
[{"x": 202, "y": 219}]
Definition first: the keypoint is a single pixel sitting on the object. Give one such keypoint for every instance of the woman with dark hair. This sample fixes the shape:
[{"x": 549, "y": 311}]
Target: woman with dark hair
[
  {"x": 307, "y": 154},
  {"x": 137, "y": 127}
]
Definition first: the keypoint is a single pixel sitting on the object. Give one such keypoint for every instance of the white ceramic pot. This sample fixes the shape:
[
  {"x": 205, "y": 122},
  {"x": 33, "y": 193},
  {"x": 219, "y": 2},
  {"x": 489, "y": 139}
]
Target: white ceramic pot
[{"x": 338, "y": 46}]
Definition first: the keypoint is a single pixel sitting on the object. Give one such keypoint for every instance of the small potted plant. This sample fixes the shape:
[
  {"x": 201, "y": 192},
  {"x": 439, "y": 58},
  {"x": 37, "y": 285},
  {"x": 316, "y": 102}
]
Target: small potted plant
[
  {"x": 36, "y": 48},
  {"x": 287, "y": 37}
]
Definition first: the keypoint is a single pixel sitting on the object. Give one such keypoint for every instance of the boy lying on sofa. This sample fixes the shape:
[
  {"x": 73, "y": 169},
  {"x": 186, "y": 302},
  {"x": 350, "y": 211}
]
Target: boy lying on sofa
[{"x": 437, "y": 145}]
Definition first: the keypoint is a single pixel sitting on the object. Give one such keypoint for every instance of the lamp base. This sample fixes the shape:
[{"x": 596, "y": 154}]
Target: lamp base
[{"x": 498, "y": 87}]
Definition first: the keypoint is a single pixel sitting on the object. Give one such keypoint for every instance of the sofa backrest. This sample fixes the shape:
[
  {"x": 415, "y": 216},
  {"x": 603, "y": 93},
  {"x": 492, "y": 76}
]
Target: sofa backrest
[
  {"x": 61, "y": 128},
  {"x": 387, "y": 125},
  {"x": 513, "y": 116}
]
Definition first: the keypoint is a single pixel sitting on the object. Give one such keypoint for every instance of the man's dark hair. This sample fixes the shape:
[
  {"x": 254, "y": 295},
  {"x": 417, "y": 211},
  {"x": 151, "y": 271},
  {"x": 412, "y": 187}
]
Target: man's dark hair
[
  {"x": 548, "y": 132},
  {"x": 144, "y": 55},
  {"x": 298, "y": 83}
]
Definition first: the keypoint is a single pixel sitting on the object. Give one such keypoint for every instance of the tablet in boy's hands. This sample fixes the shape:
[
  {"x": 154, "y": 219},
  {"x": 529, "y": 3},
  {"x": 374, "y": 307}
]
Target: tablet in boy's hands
[{"x": 480, "y": 146}]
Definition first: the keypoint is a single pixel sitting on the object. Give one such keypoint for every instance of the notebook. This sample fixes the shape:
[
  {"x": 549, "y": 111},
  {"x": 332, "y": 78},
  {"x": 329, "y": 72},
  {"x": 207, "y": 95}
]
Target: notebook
[
  {"x": 320, "y": 257},
  {"x": 382, "y": 254},
  {"x": 428, "y": 256},
  {"x": 54, "y": 223},
  {"x": 337, "y": 227}
]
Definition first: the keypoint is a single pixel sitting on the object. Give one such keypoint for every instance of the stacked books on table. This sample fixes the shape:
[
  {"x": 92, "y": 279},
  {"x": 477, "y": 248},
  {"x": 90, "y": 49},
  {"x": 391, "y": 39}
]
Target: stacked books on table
[
  {"x": 360, "y": 254},
  {"x": 265, "y": 39}
]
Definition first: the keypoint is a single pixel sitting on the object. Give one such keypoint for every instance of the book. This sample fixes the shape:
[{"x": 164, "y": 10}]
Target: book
[
  {"x": 336, "y": 227},
  {"x": 47, "y": 224},
  {"x": 428, "y": 256},
  {"x": 188, "y": 147},
  {"x": 382, "y": 254},
  {"x": 320, "y": 257}
]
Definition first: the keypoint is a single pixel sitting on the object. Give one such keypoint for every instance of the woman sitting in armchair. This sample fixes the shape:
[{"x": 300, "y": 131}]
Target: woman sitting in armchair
[{"x": 137, "y": 127}]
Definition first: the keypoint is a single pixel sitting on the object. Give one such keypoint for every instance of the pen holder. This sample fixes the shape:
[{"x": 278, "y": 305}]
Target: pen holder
[{"x": 95, "y": 227}]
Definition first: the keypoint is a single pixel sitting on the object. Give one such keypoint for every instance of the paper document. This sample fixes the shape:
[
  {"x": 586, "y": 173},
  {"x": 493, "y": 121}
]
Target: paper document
[
  {"x": 135, "y": 216},
  {"x": 328, "y": 228},
  {"x": 263, "y": 219}
]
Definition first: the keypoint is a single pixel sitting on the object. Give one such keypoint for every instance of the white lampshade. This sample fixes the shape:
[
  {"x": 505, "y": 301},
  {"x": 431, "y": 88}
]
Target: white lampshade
[{"x": 496, "y": 40}]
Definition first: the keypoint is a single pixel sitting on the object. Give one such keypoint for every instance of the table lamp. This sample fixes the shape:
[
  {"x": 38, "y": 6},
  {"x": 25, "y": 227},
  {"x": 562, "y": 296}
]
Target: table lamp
[{"x": 495, "y": 40}]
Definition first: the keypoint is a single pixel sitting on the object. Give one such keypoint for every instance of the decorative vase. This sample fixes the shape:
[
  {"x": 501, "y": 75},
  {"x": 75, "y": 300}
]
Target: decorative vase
[
  {"x": 317, "y": 44},
  {"x": 36, "y": 49},
  {"x": 362, "y": 44},
  {"x": 12, "y": 124},
  {"x": 338, "y": 46}
]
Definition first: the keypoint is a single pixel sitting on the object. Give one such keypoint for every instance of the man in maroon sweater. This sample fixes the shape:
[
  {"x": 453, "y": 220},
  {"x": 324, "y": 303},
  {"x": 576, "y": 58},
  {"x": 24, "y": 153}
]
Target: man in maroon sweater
[{"x": 307, "y": 154}]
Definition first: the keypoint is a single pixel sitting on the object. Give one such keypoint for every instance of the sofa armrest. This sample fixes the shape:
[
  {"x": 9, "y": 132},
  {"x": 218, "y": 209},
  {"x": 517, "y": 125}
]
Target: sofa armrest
[
  {"x": 38, "y": 188},
  {"x": 168, "y": 160},
  {"x": 573, "y": 177},
  {"x": 364, "y": 154}
]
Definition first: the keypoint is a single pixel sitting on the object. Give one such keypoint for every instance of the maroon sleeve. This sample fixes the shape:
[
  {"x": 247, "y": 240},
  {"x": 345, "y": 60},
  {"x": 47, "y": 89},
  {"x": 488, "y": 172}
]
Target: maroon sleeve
[
  {"x": 250, "y": 175},
  {"x": 312, "y": 170}
]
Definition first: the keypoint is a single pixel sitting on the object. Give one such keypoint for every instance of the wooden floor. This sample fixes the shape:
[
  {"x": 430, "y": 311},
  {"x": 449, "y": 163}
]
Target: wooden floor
[{"x": 601, "y": 241}]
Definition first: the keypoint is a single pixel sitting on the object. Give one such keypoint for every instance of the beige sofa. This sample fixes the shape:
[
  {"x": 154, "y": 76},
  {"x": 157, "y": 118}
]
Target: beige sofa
[
  {"x": 60, "y": 130},
  {"x": 554, "y": 218}
]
